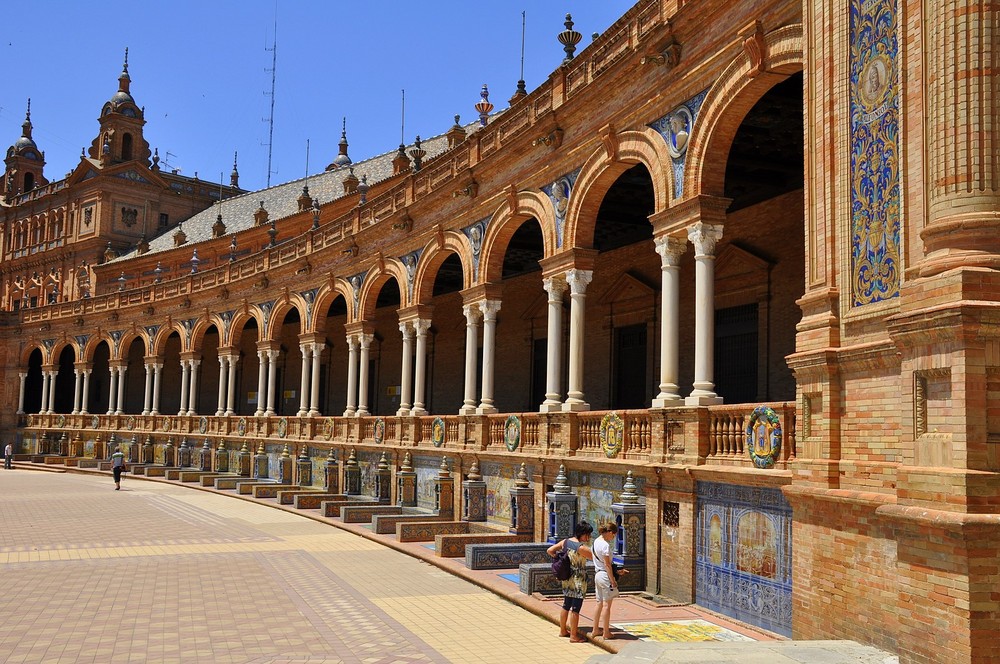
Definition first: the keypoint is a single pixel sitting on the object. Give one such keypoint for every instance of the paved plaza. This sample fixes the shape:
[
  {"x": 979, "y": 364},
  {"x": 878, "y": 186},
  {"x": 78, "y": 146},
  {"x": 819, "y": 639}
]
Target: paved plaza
[{"x": 163, "y": 573}]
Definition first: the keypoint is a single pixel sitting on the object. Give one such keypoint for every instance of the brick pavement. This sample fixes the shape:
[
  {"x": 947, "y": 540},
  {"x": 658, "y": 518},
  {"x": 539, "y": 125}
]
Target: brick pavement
[{"x": 160, "y": 573}]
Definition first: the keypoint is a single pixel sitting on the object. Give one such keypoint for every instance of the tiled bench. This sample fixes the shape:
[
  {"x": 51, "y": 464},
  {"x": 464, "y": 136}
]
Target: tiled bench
[
  {"x": 89, "y": 463},
  {"x": 209, "y": 480},
  {"x": 287, "y": 496},
  {"x": 428, "y": 530},
  {"x": 506, "y": 555},
  {"x": 364, "y": 514},
  {"x": 453, "y": 546},
  {"x": 246, "y": 487},
  {"x": 538, "y": 578},
  {"x": 385, "y": 524},
  {"x": 196, "y": 475},
  {"x": 269, "y": 490},
  {"x": 332, "y": 507},
  {"x": 314, "y": 500},
  {"x": 159, "y": 471}
]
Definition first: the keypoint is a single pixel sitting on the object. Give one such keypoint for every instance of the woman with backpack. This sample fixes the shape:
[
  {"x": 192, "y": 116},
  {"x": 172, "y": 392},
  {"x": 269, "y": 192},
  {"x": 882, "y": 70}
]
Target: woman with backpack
[{"x": 575, "y": 587}]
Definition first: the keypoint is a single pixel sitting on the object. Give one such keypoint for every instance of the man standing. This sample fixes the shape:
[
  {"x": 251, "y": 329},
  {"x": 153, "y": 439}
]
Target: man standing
[
  {"x": 8, "y": 457},
  {"x": 117, "y": 467}
]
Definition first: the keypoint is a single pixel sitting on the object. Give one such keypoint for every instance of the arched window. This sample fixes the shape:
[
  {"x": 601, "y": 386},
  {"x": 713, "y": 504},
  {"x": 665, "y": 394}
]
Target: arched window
[
  {"x": 126, "y": 147},
  {"x": 29, "y": 182}
]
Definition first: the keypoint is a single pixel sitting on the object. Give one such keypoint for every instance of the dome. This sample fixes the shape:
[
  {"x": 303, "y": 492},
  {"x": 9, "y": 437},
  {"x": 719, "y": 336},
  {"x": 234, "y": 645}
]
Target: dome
[
  {"x": 341, "y": 160},
  {"x": 122, "y": 97},
  {"x": 24, "y": 143}
]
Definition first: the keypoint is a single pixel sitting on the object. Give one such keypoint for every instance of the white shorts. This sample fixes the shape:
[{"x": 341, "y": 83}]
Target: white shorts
[{"x": 603, "y": 589}]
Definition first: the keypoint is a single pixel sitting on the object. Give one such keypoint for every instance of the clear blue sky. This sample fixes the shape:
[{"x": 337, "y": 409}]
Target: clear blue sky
[{"x": 199, "y": 70}]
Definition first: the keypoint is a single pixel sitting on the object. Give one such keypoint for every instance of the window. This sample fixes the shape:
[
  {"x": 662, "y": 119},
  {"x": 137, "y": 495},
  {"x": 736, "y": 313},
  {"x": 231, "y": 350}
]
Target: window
[
  {"x": 126, "y": 147},
  {"x": 164, "y": 220},
  {"x": 29, "y": 182}
]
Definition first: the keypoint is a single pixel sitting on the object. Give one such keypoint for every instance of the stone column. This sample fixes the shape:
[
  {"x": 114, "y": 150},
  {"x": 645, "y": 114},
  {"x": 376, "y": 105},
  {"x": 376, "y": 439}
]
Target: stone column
[
  {"x": 157, "y": 369},
  {"x": 670, "y": 249},
  {"x": 444, "y": 491},
  {"x": 262, "y": 358},
  {"x": 185, "y": 386},
  {"x": 272, "y": 376},
  {"x": 85, "y": 397},
  {"x": 563, "y": 508},
  {"x": 555, "y": 287},
  {"x": 489, "y": 308},
  {"x": 77, "y": 384},
  {"x": 52, "y": 390},
  {"x": 406, "y": 371},
  {"x": 522, "y": 499},
  {"x": 193, "y": 392},
  {"x": 365, "y": 341},
  {"x": 231, "y": 384},
  {"x": 304, "y": 380},
  {"x": 147, "y": 389},
  {"x": 471, "y": 346},
  {"x": 120, "y": 408},
  {"x": 220, "y": 406},
  {"x": 112, "y": 390},
  {"x": 704, "y": 237},
  {"x": 23, "y": 376},
  {"x": 317, "y": 353},
  {"x": 421, "y": 326},
  {"x": 352, "y": 376},
  {"x": 352, "y": 475},
  {"x": 577, "y": 281},
  {"x": 45, "y": 392},
  {"x": 331, "y": 473},
  {"x": 474, "y": 495},
  {"x": 383, "y": 481}
]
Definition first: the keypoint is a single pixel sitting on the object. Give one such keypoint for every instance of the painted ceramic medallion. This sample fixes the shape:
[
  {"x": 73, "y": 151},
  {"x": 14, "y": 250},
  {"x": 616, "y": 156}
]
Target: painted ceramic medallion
[
  {"x": 437, "y": 432},
  {"x": 31, "y": 420},
  {"x": 61, "y": 421},
  {"x": 379, "y": 430},
  {"x": 241, "y": 426},
  {"x": 512, "y": 432},
  {"x": 328, "y": 429},
  {"x": 130, "y": 422},
  {"x": 95, "y": 422},
  {"x": 764, "y": 437},
  {"x": 203, "y": 424},
  {"x": 612, "y": 434},
  {"x": 282, "y": 427},
  {"x": 165, "y": 424}
]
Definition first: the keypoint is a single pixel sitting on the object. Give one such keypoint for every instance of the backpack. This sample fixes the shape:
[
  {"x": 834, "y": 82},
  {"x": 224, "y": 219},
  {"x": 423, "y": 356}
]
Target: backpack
[{"x": 561, "y": 566}]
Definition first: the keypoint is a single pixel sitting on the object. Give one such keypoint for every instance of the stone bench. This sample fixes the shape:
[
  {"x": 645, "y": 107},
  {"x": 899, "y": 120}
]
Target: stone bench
[
  {"x": 268, "y": 490},
  {"x": 287, "y": 496},
  {"x": 54, "y": 460},
  {"x": 196, "y": 475},
  {"x": 364, "y": 514},
  {"x": 505, "y": 555},
  {"x": 209, "y": 480},
  {"x": 331, "y": 508},
  {"x": 159, "y": 471},
  {"x": 453, "y": 546},
  {"x": 428, "y": 530},
  {"x": 174, "y": 474},
  {"x": 135, "y": 469},
  {"x": 90, "y": 463},
  {"x": 314, "y": 500},
  {"x": 385, "y": 524},
  {"x": 538, "y": 578},
  {"x": 230, "y": 482},
  {"x": 245, "y": 487}
]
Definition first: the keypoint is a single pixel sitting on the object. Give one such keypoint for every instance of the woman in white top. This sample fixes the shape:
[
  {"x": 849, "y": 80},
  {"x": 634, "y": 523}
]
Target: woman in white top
[{"x": 604, "y": 578}]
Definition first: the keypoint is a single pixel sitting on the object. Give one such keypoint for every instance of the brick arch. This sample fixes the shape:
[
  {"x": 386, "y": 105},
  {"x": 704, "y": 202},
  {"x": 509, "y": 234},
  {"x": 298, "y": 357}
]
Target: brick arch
[
  {"x": 93, "y": 342},
  {"x": 281, "y": 308},
  {"x": 58, "y": 347},
  {"x": 240, "y": 320},
  {"x": 326, "y": 296},
  {"x": 392, "y": 269},
  {"x": 434, "y": 254},
  {"x": 127, "y": 339},
  {"x": 201, "y": 328},
  {"x": 28, "y": 350},
  {"x": 505, "y": 222},
  {"x": 728, "y": 101},
  {"x": 159, "y": 343},
  {"x": 644, "y": 146}
]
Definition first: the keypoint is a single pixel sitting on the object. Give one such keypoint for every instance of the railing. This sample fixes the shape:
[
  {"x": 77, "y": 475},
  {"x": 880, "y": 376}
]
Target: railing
[{"x": 728, "y": 430}]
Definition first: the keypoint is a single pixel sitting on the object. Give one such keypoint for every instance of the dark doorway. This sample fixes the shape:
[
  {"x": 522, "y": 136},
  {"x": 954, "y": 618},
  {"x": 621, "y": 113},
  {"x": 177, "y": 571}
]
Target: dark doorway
[
  {"x": 539, "y": 372},
  {"x": 630, "y": 367},
  {"x": 736, "y": 353},
  {"x": 33, "y": 383}
]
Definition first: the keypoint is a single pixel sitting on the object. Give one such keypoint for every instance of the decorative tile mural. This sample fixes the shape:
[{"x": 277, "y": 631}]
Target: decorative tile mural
[
  {"x": 426, "y": 469},
  {"x": 368, "y": 461},
  {"x": 559, "y": 193},
  {"x": 875, "y": 199},
  {"x": 675, "y": 127},
  {"x": 596, "y": 493},
  {"x": 744, "y": 554},
  {"x": 499, "y": 480}
]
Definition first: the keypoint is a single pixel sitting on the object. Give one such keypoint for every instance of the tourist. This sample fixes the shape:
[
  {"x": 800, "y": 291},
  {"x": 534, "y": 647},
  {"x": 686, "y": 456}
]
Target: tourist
[
  {"x": 8, "y": 457},
  {"x": 575, "y": 587},
  {"x": 118, "y": 467},
  {"x": 605, "y": 579}
]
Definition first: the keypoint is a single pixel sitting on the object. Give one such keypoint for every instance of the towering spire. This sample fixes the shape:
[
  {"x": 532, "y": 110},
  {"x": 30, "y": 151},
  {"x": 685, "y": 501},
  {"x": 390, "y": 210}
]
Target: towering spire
[
  {"x": 234, "y": 177},
  {"x": 341, "y": 159},
  {"x": 124, "y": 80},
  {"x": 26, "y": 127}
]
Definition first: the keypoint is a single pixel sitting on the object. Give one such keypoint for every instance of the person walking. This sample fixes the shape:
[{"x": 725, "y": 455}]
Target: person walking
[
  {"x": 604, "y": 579},
  {"x": 118, "y": 467},
  {"x": 575, "y": 587},
  {"x": 8, "y": 457}
]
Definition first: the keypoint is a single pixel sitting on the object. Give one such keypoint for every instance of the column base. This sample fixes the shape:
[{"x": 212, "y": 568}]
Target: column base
[
  {"x": 486, "y": 410},
  {"x": 403, "y": 412},
  {"x": 145, "y": 412},
  {"x": 228, "y": 413},
  {"x": 467, "y": 410},
  {"x": 258, "y": 413},
  {"x": 350, "y": 412},
  {"x": 575, "y": 406},
  {"x": 702, "y": 400},
  {"x": 220, "y": 413},
  {"x": 362, "y": 412},
  {"x": 418, "y": 412},
  {"x": 666, "y": 401},
  {"x": 313, "y": 412},
  {"x": 551, "y": 407},
  {"x": 301, "y": 412}
]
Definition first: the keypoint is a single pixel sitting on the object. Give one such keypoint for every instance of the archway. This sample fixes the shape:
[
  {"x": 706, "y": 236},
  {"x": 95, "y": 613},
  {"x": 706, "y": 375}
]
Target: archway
[
  {"x": 135, "y": 376},
  {"x": 170, "y": 395},
  {"x": 333, "y": 369},
  {"x": 100, "y": 379},
  {"x": 33, "y": 383},
  {"x": 65, "y": 383},
  {"x": 386, "y": 353},
  {"x": 289, "y": 366},
  {"x": 446, "y": 338}
]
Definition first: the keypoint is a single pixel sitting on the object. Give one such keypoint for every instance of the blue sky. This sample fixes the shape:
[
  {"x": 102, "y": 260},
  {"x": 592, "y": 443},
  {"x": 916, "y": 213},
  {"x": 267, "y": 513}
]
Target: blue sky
[{"x": 199, "y": 70}]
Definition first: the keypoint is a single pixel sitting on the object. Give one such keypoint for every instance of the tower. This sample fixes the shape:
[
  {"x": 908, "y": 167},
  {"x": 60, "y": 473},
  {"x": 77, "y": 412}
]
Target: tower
[
  {"x": 24, "y": 163},
  {"x": 121, "y": 121}
]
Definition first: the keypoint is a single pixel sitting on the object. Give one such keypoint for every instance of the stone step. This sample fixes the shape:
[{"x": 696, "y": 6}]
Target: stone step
[{"x": 385, "y": 524}]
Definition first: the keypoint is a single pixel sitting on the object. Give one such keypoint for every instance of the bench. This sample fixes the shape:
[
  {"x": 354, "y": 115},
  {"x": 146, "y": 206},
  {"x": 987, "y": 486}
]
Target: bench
[
  {"x": 268, "y": 490},
  {"x": 505, "y": 555},
  {"x": 332, "y": 507},
  {"x": 314, "y": 500},
  {"x": 364, "y": 514},
  {"x": 159, "y": 471},
  {"x": 246, "y": 487},
  {"x": 428, "y": 530},
  {"x": 209, "y": 480},
  {"x": 385, "y": 524},
  {"x": 89, "y": 463},
  {"x": 287, "y": 496},
  {"x": 453, "y": 546},
  {"x": 195, "y": 475},
  {"x": 538, "y": 578}
]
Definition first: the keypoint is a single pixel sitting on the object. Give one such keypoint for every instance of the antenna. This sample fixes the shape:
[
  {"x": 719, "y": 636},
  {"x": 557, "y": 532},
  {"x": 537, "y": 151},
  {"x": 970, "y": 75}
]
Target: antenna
[
  {"x": 270, "y": 118},
  {"x": 402, "y": 116},
  {"x": 522, "y": 46},
  {"x": 307, "y": 161}
]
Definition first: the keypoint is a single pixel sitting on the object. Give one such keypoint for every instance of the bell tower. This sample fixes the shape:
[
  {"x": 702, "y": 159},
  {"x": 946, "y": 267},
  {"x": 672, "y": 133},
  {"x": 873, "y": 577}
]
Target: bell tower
[
  {"x": 24, "y": 163},
  {"x": 121, "y": 121}
]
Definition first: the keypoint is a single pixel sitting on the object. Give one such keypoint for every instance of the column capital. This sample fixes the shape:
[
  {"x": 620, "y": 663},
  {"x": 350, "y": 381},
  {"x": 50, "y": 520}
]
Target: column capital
[
  {"x": 273, "y": 353},
  {"x": 472, "y": 313},
  {"x": 555, "y": 286},
  {"x": 365, "y": 340},
  {"x": 268, "y": 345},
  {"x": 489, "y": 308},
  {"x": 575, "y": 258},
  {"x": 359, "y": 327},
  {"x": 352, "y": 341},
  {"x": 421, "y": 326},
  {"x": 318, "y": 347},
  {"x": 678, "y": 217},
  {"x": 83, "y": 365},
  {"x": 704, "y": 238},
  {"x": 578, "y": 280},
  {"x": 311, "y": 338},
  {"x": 670, "y": 249},
  {"x": 406, "y": 329}
]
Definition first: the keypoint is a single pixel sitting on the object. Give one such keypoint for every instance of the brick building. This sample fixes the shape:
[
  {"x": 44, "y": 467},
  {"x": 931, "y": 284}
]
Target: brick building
[{"x": 734, "y": 257}]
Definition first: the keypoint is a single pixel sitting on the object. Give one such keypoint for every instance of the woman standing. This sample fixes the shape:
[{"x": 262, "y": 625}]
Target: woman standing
[
  {"x": 575, "y": 587},
  {"x": 604, "y": 578}
]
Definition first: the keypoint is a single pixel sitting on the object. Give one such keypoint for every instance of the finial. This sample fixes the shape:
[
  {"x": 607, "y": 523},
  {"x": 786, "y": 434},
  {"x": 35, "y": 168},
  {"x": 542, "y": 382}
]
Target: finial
[
  {"x": 156, "y": 159},
  {"x": 352, "y": 459},
  {"x": 629, "y": 496},
  {"x": 260, "y": 447},
  {"x": 569, "y": 38},
  {"x": 26, "y": 125},
  {"x": 195, "y": 261},
  {"x": 443, "y": 471},
  {"x": 474, "y": 474},
  {"x": 244, "y": 449},
  {"x": 457, "y": 124},
  {"x": 232, "y": 250},
  {"x": 234, "y": 177},
  {"x": 126, "y": 59},
  {"x": 521, "y": 482},
  {"x": 205, "y": 445},
  {"x": 383, "y": 463},
  {"x": 222, "y": 446},
  {"x": 483, "y": 106},
  {"x": 561, "y": 485},
  {"x": 407, "y": 466},
  {"x": 521, "y": 90},
  {"x": 124, "y": 79},
  {"x": 285, "y": 452},
  {"x": 417, "y": 153},
  {"x": 363, "y": 189},
  {"x": 331, "y": 457},
  {"x": 304, "y": 454},
  {"x": 27, "y": 116}
]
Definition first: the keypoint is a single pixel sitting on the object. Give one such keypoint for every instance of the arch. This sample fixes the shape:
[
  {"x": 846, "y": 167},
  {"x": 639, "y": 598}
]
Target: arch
[
  {"x": 159, "y": 343},
  {"x": 126, "y": 342},
  {"x": 600, "y": 172},
  {"x": 201, "y": 326},
  {"x": 58, "y": 347},
  {"x": 325, "y": 298},
  {"x": 28, "y": 350},
  {"x": 281, "y": 309},
  {"x": 728, "y": 101},
  {"x": 392, "y": 269},
  {"x": 93, "y": 343},
  {"x": 434, "y": 254},
  {"x": 503, "y": 225},
  {"x": 29, "y": 182},
  {"x": 126, "y": 147},
  {"x": 240, "y": 319}
]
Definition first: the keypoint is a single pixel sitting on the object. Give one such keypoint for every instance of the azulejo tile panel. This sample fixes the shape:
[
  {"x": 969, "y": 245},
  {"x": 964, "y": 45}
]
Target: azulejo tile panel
[
  {"x": 875, "y": 195},
  {"x": 744, "y": 554}
]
